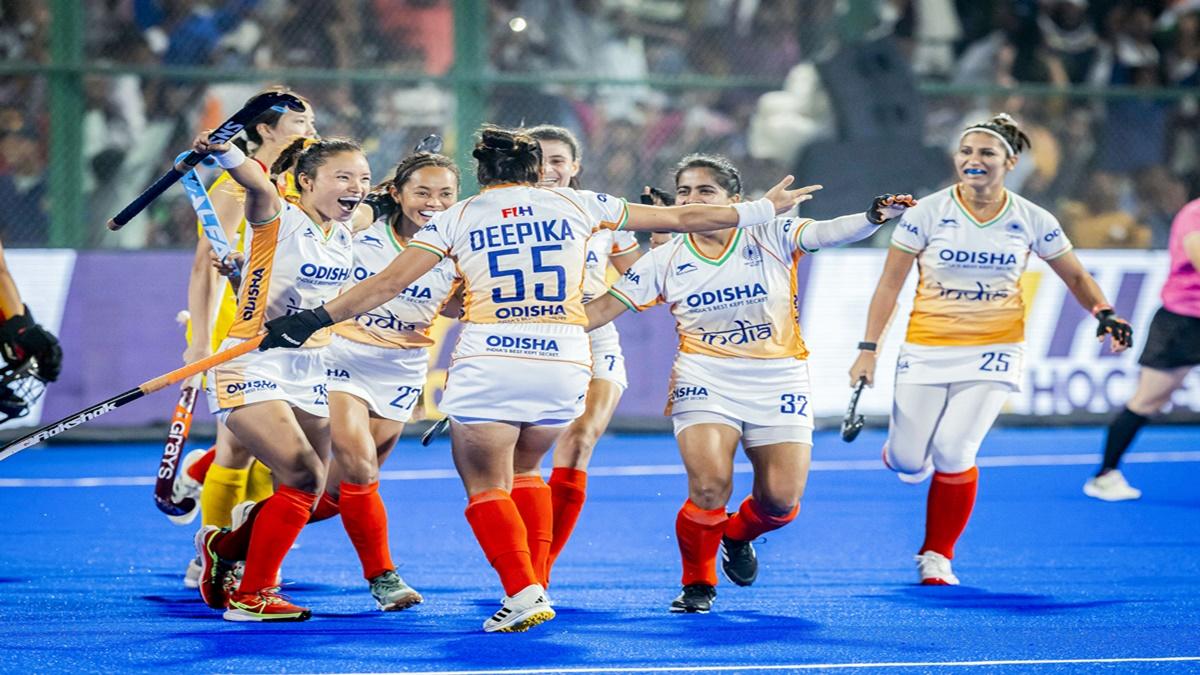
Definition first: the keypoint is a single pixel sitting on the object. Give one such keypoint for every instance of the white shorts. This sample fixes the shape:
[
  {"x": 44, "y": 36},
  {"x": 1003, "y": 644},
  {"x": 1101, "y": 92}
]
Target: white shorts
[
  {"x": 390, "y": 380},
  {"x": 764, "y": 392},
  {"x": 753, "y": 435},
  {"x": 926, "y": 364},
  {"x": 295, "y": 376},
  {"x": 608, "y": 360},
  {"x": 518, "y": 373}
]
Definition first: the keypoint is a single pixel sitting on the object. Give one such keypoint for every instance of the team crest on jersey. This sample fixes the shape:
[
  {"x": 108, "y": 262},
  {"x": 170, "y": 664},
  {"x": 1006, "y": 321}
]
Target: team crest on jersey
[
  {"x": 752, "y": 255},
  {"x": 685, "y": 268},
  {"x": 309, "y": 233}
]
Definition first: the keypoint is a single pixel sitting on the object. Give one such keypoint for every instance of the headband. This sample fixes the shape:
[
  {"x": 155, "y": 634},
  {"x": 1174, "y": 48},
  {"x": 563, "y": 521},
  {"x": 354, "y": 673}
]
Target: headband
[{"x": 988, "y": 130}]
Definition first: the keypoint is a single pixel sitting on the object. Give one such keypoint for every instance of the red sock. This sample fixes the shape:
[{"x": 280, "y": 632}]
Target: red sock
[
  {"x": 533, "y": 499},
  {"x": 327, "y": 507},
  {"x": 699, "y": 534},
  {"x": 951, "y": 498},
  {"x": 199, "y": 469},
  {"x": 751, "y": 520},
  {"x": 365, "y": 520},
  {"x": 501, "y": 534},
  {"x": 234, "y": 544},
  {"x": 568, "y": 491},
  {"x": 279, "y": 522}
]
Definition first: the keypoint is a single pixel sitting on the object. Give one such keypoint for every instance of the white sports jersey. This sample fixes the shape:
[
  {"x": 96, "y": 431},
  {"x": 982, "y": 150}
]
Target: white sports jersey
[
  {"x": 740, "y": 304},
  {"x": 521, "y": 249},
  {"x": 292, "y": 266},
  {"x": 604, "y": 245},
  {"x": 968, "y": 289},
  {"x": 405, "y": 320}
]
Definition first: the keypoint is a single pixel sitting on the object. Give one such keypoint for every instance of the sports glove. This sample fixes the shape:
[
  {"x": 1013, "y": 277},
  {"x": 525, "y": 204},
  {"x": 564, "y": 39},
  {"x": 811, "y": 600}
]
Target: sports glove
[
  {"x": 22, "y": 338},
  {"x": 293, "y": 330},
  {"x": 381, "y": 204},
  {"x": 888, "y": 206},
  {"x": 1118, "y": 328},
  {"x": 657, "y": 197}
]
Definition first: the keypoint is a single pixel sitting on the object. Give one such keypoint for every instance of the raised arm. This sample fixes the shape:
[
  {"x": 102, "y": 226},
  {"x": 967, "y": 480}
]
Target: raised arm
[
  {"x": 1087, "y": 292},
  {"x": 262, "y": 198},
  {"x": 856, "y": 226},
  {"x": 708, "y": 217},
  {"x": 879, "y": 314}
]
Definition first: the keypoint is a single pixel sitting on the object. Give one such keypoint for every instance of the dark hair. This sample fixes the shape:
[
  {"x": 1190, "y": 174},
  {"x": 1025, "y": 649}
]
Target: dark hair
[
  {"x": 404, "y": 171},
  {"x": 305, "y": 156},
  {"x": 270, "y": 118},
  {"x": 550, "y": 132},
  {"x": 507, "y": 156},
  {"x": 1006, "y": 126},
  {"x": 723, "y": 170}
]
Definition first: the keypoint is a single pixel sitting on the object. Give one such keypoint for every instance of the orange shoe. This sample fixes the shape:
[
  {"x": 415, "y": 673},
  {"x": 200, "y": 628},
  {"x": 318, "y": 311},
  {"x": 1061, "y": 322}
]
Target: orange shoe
[{"x": 265, "y": 605}]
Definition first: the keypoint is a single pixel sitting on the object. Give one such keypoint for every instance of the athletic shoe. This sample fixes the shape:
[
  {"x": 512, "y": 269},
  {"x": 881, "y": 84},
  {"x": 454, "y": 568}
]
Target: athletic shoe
[
  {"x": 392, "y": 594},
  {"x": 934, "y": 569},
  {"x": 239, "y": 513},
  {"x": 1111, "y": 486},
  {"x": 212, "y": 568},
  {"x": 694, "y": 599},
  {"x": 267, "y": 604},
  {"x": 186, "y": 487},
  {"x": 521, "y": 612},
  {"x": 191, "y": 578},
  {"x": 739, "y": 561}
]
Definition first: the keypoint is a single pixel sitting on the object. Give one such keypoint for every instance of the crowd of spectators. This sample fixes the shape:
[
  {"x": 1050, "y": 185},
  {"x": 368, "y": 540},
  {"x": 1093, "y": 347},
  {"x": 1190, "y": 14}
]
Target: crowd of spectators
[{"x": 1114, "y": 169}]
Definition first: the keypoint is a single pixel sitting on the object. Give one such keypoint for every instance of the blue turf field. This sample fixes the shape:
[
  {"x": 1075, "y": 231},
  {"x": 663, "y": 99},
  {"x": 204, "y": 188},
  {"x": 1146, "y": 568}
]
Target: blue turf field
[{"x": 90, "y": 574}]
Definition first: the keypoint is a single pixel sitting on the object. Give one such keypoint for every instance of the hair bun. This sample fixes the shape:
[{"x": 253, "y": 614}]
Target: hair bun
[{"x": 498, "y": 139}]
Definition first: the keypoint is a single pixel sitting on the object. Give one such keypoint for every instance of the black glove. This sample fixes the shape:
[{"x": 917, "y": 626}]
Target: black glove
[
  {"x": 22, "y": 338},
  {"x": 293, "y": 330},
  {"x": 1118, "y": 328},
  {"x": 662, "y": 196},
  {"x": 888, "y": 206},
  {"x": 381, "y": 204}
]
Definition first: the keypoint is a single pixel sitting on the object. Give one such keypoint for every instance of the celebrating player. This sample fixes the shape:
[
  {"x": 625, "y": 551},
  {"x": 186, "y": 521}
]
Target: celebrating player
[
  {"x": 522, "y": 365},
  {"x": 376, "y": 366},
  {"x": 964, "y": 349},
  {"x": 232, "y": 475},
  {"x": 1172, "y": 350},
  {"x": 741, "y": 373},
  {"x": 551, "y": 511},
  {"x": 300, "y": 254}
]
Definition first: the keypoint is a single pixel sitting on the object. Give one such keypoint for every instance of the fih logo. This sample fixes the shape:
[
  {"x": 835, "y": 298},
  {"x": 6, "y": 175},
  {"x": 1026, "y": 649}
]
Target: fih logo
[{"x": 515, "y": 211}]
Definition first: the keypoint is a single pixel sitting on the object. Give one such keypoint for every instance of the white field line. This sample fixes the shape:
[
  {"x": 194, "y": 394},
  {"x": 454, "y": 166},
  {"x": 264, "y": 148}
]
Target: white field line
[
  {"x": 1003, "y": 461},
  {"x": 810, "y": 666}
]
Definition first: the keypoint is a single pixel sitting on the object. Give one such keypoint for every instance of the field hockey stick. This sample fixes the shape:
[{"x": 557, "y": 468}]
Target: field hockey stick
[
  {"x": 436, "y": 429},
  {"x": 177, "y": 435},
  {"x": 228, "y": 129},
  {"x": 852, "y": 423},
  {"x": 210, "y": 224},
  {"x": 431, "y": 144},
  {"x": 147, "y": 387}
]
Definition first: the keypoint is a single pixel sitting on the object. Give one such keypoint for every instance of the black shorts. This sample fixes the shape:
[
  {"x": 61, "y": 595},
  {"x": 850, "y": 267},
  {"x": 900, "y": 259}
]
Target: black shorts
[{"x": 1172, "y": 342}]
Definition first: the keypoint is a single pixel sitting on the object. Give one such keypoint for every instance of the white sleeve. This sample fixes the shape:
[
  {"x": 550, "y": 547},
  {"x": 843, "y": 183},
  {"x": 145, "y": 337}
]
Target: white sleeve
[
  {"x": 611, "y": 212},
  {"x": 623, "y": 242},
  {"x": 434, "y": 237},
  {"x": 911, "y": 234},
  {"x": 1049, "y": 240},
  {"x": 819, "y": 234},
  {"x": 641, "y": 285}
]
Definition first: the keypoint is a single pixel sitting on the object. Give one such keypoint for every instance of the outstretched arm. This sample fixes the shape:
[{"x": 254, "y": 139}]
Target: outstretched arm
[
  {"x": 854, "y": 227},
  {"x": 603, "y": 309},
  {"x": 1085, "y": 289},
  {"x": 709, "y": 217}
]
